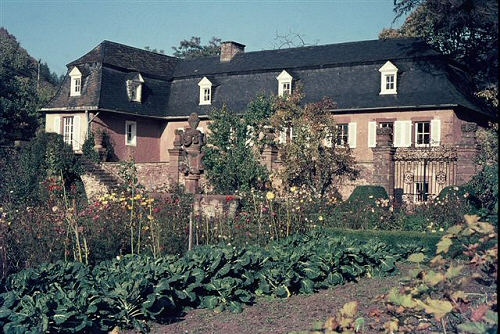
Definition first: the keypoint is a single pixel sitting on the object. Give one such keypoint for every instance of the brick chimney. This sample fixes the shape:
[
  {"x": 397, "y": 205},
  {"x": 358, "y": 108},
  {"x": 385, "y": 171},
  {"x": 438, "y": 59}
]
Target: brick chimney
[{"x": 229, "y": 49}]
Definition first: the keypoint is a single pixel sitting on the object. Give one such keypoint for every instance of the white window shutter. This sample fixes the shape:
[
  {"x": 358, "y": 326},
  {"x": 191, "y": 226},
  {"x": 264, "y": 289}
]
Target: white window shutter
[
  {"x": 402, "y": 133},
  {"x": 406, "y": 133},
  {"x": 435, "y": 132},
  {"x": 77, "y": 140},
  {"x": 372, "y": 134},
  {"x": 351, "y": 135},
  {"x": 57, "y": 125}
]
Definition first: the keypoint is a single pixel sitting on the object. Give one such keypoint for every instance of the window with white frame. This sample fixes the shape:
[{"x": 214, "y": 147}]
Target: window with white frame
[
  {"x": 205, "y": 91},
  {"x": 346, "y": 134},
  {"x": 284, "y": 83},
  {"x": 134, "y": 87},
  {"x": 342, "y": 134},
  {"x": 425, "y": 133},
  {"x": 76, "y": 82},
  {"x": 388, "y": 78},
  {"x": 422, "y": 133},
  {"x": 68, "y": 130},
  {"x": 130, "y": 133}
]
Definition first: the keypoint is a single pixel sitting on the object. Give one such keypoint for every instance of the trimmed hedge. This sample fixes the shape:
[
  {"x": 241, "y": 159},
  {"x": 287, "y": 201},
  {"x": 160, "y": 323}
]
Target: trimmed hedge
[{"x": 367, "y": 195}]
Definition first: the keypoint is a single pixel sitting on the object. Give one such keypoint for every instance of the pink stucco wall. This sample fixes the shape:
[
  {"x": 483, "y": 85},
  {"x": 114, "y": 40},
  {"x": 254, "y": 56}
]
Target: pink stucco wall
[{"x": 149, "y": 132}]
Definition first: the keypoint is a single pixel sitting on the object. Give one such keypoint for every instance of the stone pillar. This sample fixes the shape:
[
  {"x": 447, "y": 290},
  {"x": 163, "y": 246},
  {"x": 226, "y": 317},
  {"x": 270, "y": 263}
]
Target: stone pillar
[
  {"x": 270, "y": 153},
  {"x": 467, "y": 151},
  {"x": 383, "y": 161},
  {"x": 175, "y": 156}
]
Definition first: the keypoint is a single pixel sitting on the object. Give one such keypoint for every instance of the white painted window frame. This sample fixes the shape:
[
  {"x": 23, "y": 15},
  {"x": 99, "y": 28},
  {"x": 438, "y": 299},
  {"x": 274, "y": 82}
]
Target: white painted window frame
[
  {"x": 205, "y": 91},
  {"x": 76, "y": 82},
  {"x": 130, "y": 133},
  {"x": 388, "y": 76},
  {"x": 284, "y": 83},
  {"x": 134, "y": 88}
]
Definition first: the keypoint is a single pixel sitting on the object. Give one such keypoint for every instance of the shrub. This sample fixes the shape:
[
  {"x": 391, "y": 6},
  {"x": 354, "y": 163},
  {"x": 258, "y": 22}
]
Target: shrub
[
  {"x": 368, "y": 207},
  {"x": 88, "y": 149}
]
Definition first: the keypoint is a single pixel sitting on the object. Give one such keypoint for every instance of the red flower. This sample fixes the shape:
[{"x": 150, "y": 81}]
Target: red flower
[{"x": 229, "y": 198}]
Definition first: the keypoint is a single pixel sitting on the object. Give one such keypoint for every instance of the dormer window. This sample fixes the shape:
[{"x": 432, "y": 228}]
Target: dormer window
[
  {"x": 134, "y": 87},
  {"x": 284, "y": 83},
  {"x": 388, "y": 78},
  {"x": 76, "y": 82},
  {"x": 205, "y": 91}
]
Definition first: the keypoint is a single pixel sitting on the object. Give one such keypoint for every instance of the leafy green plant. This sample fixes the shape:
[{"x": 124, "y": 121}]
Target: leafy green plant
[{"x": 132, "y": 290}]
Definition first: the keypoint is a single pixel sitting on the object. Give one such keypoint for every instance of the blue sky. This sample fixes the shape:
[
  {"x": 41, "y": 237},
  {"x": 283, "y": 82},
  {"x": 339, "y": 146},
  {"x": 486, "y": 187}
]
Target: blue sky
[{"x": 60, "y": 31}]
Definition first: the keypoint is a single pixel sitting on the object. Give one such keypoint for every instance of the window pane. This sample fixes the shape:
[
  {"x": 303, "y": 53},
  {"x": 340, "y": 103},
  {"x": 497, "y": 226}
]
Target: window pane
[
  {"x": 422, "y": 133},
  {"x": 342, "y": 134},
  {"x": 78, "y": 83},
  {"x": 389, "y": 82},
  {"x": 68, "y": 130}
]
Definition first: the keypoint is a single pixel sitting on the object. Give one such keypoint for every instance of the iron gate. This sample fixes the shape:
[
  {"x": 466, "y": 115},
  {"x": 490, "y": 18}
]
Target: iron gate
[{"x": 421, "y": 173}]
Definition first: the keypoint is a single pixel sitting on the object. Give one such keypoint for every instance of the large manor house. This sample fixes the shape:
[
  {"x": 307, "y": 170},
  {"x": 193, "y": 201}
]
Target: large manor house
[{"x": 404, "y": 109}]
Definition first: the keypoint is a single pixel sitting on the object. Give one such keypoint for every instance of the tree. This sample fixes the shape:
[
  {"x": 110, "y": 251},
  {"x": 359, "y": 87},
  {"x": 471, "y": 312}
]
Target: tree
[
  {"x": 467, "y": 30},
  {"x": 22, "y": 93},
  {"x": 290, "y": 40},
  {"x": 194, "y": 49},
  {"x": 310, "y": 154},
  {"x": 232, "y": 152}
]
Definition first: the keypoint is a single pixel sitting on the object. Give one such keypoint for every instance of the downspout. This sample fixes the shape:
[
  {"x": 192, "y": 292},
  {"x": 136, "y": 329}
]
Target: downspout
[{"x": 89, "y": 121}]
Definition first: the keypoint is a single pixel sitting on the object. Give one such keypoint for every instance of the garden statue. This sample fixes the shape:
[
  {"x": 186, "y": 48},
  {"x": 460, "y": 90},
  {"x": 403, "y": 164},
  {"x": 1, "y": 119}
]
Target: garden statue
[{"x": 192, "y": 141}]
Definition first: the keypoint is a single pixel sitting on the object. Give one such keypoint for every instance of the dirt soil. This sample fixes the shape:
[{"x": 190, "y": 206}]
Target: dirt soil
[{"x": 295, "y": 314}]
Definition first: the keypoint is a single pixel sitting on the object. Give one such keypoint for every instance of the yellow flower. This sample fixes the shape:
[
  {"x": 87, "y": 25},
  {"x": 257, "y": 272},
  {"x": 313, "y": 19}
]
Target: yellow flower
[
  {"x": 270, "y": 196},
  {"x": 441, "y": 229},
  {"x": 293, "y": 189},
  {"x": 320, "y": 218}
]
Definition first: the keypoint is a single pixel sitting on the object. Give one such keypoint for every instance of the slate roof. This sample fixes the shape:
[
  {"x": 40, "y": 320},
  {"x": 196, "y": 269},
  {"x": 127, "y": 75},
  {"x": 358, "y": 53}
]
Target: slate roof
[{"x": 347, "y": 73}]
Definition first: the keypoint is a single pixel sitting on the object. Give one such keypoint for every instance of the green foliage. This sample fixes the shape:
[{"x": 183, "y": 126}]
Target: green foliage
[
  {"x": 466, "y": 30},
  {"x": 367, "y": 195},
  {"x": 132, "y": 290},
  {"x": 194, "y": 49},
  {"x": 232, "y": 152},
  {"x": 21, "y": 95},
  {"x": 368, "y": 207},
  {"x": 394, "y": 239},
  {"x": 310, "y": 155},
  {"x": 438, "y": 294},
  {"x": 88, "y": 149},
  {"x": 485, "y": 183},
  {"x": 28, "y": 172}
]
